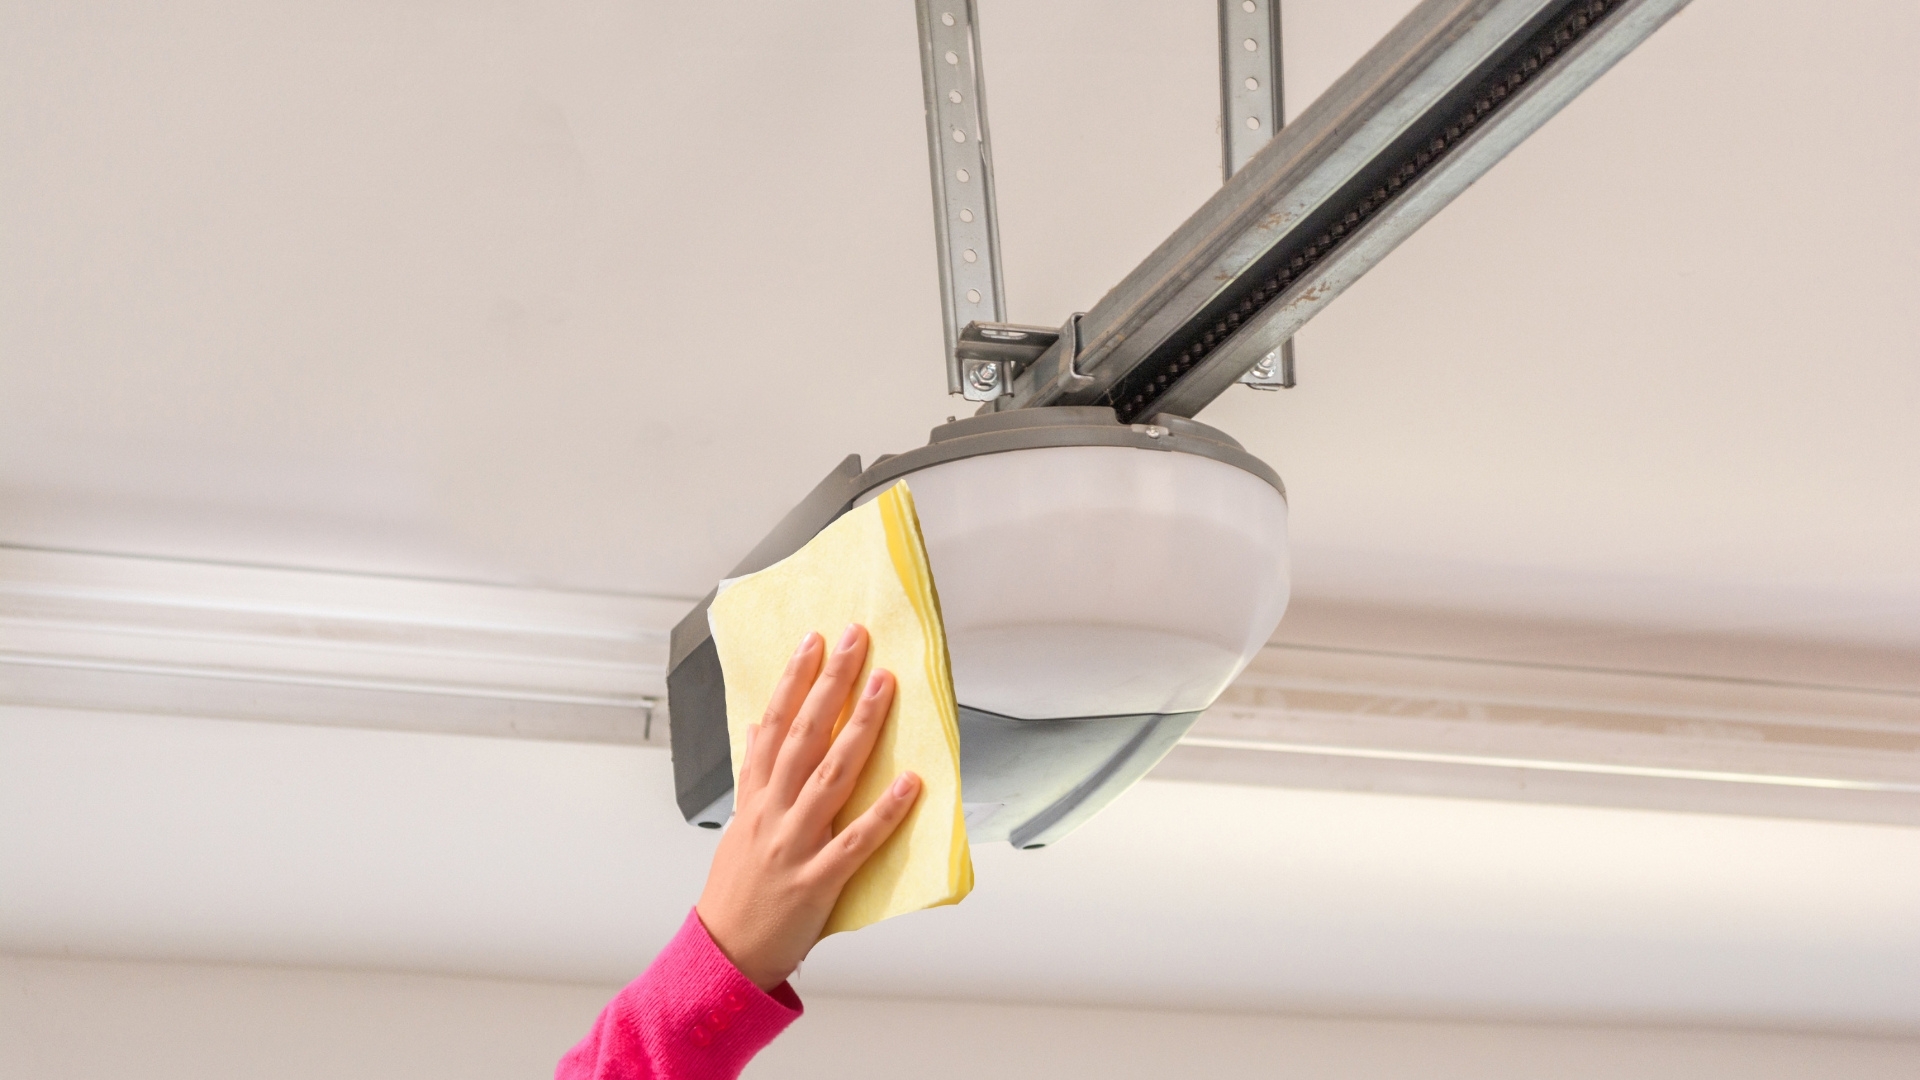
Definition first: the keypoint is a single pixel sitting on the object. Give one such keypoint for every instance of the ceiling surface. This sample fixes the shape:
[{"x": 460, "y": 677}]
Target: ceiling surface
[
  {"x": 586, "y": 296},
  {"x": 589, "y": 296}
]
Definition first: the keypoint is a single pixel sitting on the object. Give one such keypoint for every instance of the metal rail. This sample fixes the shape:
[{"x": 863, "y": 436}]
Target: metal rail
[{"x": 1442, "y": 98}]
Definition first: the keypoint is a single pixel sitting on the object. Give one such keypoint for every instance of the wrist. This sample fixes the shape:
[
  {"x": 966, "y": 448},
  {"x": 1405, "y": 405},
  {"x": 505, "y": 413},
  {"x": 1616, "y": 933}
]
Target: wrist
[{"x": 743, "y": 958}]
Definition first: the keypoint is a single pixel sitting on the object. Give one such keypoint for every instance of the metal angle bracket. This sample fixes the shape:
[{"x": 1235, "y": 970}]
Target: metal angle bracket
[
  {"x": 992, "y": 355},
  {"x": 1252, "y": 109},
  {"x": 1056, "y": 364},
  {"x": 1274, "y": 371},
  {"x": 965, "y": 232}
]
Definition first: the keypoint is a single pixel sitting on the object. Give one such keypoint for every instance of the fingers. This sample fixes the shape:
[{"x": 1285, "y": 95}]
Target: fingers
[
  {"x": 832, "y": 781},
  {"x": 788, "y": 696},
  {"x": 868, "y": 831},
  {"x": 812, "y": 728}
]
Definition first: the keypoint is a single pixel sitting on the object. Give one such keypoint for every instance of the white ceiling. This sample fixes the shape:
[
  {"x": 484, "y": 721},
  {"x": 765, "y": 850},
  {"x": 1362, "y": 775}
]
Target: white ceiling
[{"x": 587, "y": 296}]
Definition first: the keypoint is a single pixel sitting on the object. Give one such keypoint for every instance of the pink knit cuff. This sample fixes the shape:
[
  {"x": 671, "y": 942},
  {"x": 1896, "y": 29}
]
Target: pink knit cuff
[{"x": 698, "y": 1012}]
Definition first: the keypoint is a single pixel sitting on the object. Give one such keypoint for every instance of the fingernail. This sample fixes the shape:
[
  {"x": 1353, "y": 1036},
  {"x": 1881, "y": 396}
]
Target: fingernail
[
  {"x": 904, "y": 786},
  {"x": 806, "y": 643},
  {"x": 876, "y": 682},
  {"x": 852, "y": 635}
]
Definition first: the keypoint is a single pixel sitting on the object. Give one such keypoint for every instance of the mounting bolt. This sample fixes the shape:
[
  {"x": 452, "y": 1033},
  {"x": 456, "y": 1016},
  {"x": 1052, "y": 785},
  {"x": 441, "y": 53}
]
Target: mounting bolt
[
  {"x": 984, "y": 377},
  {"x": 1263, "y": 369}
]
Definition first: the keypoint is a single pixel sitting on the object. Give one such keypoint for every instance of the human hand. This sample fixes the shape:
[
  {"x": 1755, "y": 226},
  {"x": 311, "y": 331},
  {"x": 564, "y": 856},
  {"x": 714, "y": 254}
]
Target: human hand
[{"x": 780, "y": 867}]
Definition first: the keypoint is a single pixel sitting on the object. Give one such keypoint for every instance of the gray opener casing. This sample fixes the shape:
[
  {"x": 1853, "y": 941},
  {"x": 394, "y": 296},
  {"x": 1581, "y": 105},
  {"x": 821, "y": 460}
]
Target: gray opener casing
[{"x": 1047, "y": 776}]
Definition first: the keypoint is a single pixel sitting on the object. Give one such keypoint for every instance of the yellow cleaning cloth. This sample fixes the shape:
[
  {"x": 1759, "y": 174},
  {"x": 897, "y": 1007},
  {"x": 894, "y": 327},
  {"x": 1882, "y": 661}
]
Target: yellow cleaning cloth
[{"x": 868, "y": 567}]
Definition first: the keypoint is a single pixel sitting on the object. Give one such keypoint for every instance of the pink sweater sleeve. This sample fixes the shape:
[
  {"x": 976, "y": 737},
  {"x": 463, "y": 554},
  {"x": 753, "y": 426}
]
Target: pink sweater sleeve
[{"x": 690, "y": 1015}]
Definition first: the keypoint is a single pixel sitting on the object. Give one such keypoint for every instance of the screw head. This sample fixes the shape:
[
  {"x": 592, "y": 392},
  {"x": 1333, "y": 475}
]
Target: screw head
[
  {"x": 1263, "y": 369},
  {"x": 983, "y": 377}
]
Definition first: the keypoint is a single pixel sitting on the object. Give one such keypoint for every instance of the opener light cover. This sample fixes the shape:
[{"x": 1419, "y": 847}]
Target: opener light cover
[{"x": 1084, "y": 581}]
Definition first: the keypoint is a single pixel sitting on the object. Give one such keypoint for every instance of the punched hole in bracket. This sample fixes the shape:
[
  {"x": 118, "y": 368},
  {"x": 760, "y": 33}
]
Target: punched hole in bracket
[
  {"x": 966, "y": 215},
  {"x": 973, "y": 296},
  {"x": 959, "y": 136},
  {"x": 952, "y": 57},
  {"x": 953, "y": 96},
  {"x": 961, "y": 175},
  {"x": 1250, "y": 45},
  {"x": 947, "y": 17},
  {"x": 969, "y": 255}
]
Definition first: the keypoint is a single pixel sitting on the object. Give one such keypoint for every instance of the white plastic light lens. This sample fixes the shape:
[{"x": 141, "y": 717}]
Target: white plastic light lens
[{"x": 1101, "y": 580}]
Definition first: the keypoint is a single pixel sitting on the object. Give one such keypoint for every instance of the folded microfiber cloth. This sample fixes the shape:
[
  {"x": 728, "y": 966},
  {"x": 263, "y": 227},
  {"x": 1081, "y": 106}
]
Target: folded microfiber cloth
[{"x": 869, "y": 567}]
